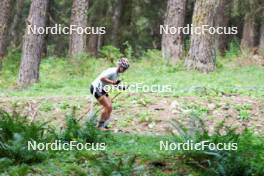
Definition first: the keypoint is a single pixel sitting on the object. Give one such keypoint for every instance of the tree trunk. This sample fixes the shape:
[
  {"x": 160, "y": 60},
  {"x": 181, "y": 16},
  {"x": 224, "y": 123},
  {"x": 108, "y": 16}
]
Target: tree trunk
[
  {"x": 116, "y": 21},
  {"x": 222, "y": 19},
  {"x": 33, "y": 43},
  {"x": 100, "y": 41},
  {"x": 92, "y": 44},
  {"x": 78, "y": 18},
  {"x": 202, "y": 55},
  {"x": 261, "y": 42},
  {"x": 172, "y": 44},
  {"x": 248, "y": 36},
  {"x": 5, "y": 13},
  {"x": 14, "y": 31}
]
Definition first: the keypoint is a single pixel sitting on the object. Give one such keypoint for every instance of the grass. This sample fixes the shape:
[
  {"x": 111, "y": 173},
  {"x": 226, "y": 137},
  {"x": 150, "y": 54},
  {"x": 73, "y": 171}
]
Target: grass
[{"x": 60, "y": 77}]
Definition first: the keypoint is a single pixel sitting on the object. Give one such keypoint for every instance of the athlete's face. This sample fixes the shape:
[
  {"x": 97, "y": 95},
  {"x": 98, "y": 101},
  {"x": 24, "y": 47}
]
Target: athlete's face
[{"x": 121, "y": 69}]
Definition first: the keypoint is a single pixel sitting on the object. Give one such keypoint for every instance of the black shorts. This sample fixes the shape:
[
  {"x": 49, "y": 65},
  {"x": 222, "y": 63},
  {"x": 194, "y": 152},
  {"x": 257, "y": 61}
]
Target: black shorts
[{"x": 97, "y": 92}]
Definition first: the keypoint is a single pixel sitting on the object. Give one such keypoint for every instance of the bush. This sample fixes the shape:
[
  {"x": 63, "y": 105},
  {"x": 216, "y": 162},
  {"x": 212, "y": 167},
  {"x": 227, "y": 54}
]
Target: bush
[
  {"x": 233, "y": 48},
  {"x": 110, "y": 53},
  {"x": 246, "y": 160},
  {"x": 129, "y": 50},
  {"x": 75, "y": 131},
  {"x": 107, "y": 164},
  {"x": 15, "y": 132}
]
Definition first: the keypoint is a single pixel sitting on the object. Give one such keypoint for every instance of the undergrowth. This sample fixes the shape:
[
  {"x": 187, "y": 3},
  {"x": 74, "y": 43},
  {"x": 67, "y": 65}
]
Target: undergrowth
[
  {"x": 74, "y": 130},
  {"x": 15, "y": 132},
  {"x": 247, "y": 158}
]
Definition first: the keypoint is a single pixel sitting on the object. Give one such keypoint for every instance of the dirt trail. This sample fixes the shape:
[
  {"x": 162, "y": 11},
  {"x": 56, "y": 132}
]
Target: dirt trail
[{"x": 148, "y": 114}]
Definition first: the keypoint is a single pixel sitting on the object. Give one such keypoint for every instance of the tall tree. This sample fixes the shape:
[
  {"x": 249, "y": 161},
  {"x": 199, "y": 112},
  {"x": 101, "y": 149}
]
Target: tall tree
[
  {"x": 172, "y": 44},
  {"x": 92, "y": 44},
  {"x": 14, "y": 29},
  {"x": 251, "y": 10},
  {"x": 100, "y": 14},
  {"x": 78, "y": 18},
  {"x": 116, "y": 17},
  {"x": 261, "y": 42},
  {"x": 202, "y": 55},
  {"x": 248, "y": 36},
  {"x": 33, "y": 43},
  {"x": 5, "y": 13},
  {"x": 222, "y": 20}
]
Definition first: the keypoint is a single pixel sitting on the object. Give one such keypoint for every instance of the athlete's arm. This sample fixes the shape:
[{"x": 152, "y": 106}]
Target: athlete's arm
[{"x": 109, "y": 81}]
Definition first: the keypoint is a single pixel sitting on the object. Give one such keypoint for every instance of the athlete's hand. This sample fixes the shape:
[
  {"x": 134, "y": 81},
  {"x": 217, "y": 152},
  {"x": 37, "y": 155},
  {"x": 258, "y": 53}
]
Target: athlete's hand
[{"x": 117, "y": 82}]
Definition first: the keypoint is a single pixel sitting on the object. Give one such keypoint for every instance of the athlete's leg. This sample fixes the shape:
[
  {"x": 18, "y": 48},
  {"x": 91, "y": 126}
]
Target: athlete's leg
[{"x": 107, "y": 107}]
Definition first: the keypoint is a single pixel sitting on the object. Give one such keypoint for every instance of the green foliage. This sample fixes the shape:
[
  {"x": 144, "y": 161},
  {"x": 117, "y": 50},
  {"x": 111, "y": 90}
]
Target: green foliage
[
  {"x": 145, "y": 117},
  {"x": 247, "y": 159},
  {"x": 80, "y": 65},
  {"x": 219, "y": 64},
  {"x": 45, "y": 106},
  {"x": 128, "y": 50},
  {"x": 153, "y": 55},
  {"x": 244, "y": 111},
  {"x": 4, "y": 163},
  {"x": 75, "y": 131},
  {"x": 16, "y": 131},
  {"x": 9, "y": 71},
  {"x": 112, "y": 165},
  {"x": 111, "y": 53},
  {"x": 21, "y": 170},
  {"x": 233, "y": 48},
  {"x": 197, "y": 110}
]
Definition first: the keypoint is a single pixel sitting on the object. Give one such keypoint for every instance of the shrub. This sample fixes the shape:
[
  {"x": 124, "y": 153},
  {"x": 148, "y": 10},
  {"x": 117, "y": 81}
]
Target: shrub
[
  {"x": 115, "y": 165},
  {"x": 15, "y": 132},
  {"x": 75, "y": 131},
  {"x": 233, "y": 48},
  {"x": 110, "y": 53},
  {"x": 246, "y": 160},
  {"x": 129, "y": 50}
]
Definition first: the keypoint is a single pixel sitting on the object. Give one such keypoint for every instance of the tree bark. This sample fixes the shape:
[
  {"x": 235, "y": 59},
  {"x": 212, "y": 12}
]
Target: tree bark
[
  {"x": 5, "y": 13},
  {"x": 78, "y": 18},
  {"x": 248, "y": 35},
  {"x": 202, "y": 55},
  {"x": 261, "y": 42},
  {"x": 100, "y": 41},
  {"x": 92, "y": 44},
  {"x": 172, "y": 44},
  {"x": 222, "y": 19},
  {"x": 33, "y": 44},
  {"x": 116, "y": 21},
  {"x": 14, "y": 31}
]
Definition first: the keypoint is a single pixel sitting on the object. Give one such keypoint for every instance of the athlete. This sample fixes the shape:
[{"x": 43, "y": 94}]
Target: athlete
[{"x": 97, "y": 89}]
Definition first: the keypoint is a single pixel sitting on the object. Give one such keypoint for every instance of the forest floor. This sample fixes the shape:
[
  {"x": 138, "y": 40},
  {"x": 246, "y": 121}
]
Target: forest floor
[{"x": 148, "y": 113}]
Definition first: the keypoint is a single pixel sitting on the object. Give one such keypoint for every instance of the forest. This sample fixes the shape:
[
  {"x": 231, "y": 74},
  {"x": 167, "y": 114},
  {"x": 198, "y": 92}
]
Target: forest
[{"x": 186, "y": 97}]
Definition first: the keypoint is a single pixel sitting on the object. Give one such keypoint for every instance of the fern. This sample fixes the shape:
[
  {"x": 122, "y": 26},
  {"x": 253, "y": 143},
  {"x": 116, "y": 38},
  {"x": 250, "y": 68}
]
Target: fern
[
  {"x": 246, "y": 160},
  {"x": 76, "y": 131},
  {"x": 16, "y": 131}
]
